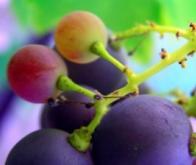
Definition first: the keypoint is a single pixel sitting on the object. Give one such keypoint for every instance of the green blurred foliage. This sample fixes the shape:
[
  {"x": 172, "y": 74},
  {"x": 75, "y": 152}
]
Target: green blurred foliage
[
  {"x": 181, "y": 13},
  {"x": 118, "y": 15}
]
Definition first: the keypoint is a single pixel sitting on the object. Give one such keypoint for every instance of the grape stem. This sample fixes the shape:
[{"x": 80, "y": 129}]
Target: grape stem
[
  {"x": 171, "y": 58},
  {"x": 152, "y": 27},
  {"x": 81, "y": 138},
  {"x": 64, "y": 83},
  {"x": 99, "y": 49}
]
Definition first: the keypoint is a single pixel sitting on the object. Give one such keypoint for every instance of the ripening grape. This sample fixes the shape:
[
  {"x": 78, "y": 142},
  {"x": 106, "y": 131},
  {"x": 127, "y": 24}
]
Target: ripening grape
[
  {"x": 76, "y": 32},
  {"x": 68, "y": 115},
  {"x": 33, "y": 72},
  {"x": 46, "y": 147},
  {"x": 99, "y": 74},
  {"x": 143, "y": 130}
]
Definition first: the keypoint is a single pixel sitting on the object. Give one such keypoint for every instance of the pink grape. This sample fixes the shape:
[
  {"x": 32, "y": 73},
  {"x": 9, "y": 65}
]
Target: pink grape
[
  {"x": 33, "y": 71},
  {"x": 75, "y": 34}
]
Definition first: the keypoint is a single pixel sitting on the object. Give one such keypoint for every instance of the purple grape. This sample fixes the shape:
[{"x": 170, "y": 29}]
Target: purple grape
[
  {"x": 46, "y": 147},
  {"x": 143, "y": 130},
  {"x": 99, "y": 74},
  {"x": 68, "y": 115}
]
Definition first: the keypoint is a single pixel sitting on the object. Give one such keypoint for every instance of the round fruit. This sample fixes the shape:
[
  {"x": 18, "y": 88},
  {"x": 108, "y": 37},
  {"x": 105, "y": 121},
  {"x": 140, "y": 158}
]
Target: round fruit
[
  {"x": 143, "y": 130},
  {"x": 68, "y": 115},
  {"x": 46, "y": 147},
  {"x": 33, "y": 72},
  {"x": 76, "y": 33}
]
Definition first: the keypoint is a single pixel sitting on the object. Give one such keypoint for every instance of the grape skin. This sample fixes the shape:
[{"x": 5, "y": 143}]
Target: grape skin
[
  {"x": 46, "y": 147},
  {"x": 68, "y": 115},
  {"x": 76, "y": 32},
  {"x": 33, "y": 72},
  {"x": 99, "y": 74},
  {"x": 143, "y": 130}
]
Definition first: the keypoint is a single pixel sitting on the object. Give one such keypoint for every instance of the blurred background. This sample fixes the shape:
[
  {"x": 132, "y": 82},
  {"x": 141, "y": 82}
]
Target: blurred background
[{"x": 33, "y": 21}]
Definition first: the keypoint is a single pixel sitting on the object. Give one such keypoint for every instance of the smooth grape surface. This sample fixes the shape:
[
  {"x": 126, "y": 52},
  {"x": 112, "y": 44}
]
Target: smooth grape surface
[
  {"x": 33, "y": 72},
  {"x": 99, "y": 74},
  {"x": 76, "y": 32},
  {"x": 68, "y": 115},
  {"x": 143, "y": 130},
  {"x": 46, "y": 147}
]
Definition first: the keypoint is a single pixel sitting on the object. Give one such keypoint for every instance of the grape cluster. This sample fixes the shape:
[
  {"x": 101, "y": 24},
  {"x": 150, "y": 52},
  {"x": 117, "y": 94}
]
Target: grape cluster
[{"x": 137, "y": 130}]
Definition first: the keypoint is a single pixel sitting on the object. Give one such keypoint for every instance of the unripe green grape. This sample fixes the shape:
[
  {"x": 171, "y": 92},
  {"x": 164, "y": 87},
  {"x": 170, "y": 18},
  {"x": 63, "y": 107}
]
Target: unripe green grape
[{"x": 76, "y": 33}]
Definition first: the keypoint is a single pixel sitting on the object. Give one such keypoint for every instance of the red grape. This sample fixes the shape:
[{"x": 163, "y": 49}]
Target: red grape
[{"x": 33, "y": 72}]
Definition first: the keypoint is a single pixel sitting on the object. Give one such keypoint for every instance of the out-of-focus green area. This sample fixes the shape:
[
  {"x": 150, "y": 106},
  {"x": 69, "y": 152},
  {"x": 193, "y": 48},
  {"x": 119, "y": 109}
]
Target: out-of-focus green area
[{"x": 117, "y": 14}]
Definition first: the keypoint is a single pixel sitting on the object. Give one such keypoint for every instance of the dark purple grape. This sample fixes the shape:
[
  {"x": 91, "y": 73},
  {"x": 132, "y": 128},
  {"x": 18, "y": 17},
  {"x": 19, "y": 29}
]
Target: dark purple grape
[
  {"x": 46, "y": 147},
  {"x": 68, "y": 115},
  {"x": 99, "y": 74},
  {"x": 143, "y": 130}
]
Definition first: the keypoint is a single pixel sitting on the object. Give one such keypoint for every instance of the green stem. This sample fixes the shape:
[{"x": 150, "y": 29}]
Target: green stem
[
  {"x": 172, "y": 58},
  {"x": 81, "y": 138},
  {"x": 99, "y": 49},
  {"x": 66, "y": 84},
  {"x": 143, "y": 29},
  {"x": 101, "y": 109}
]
